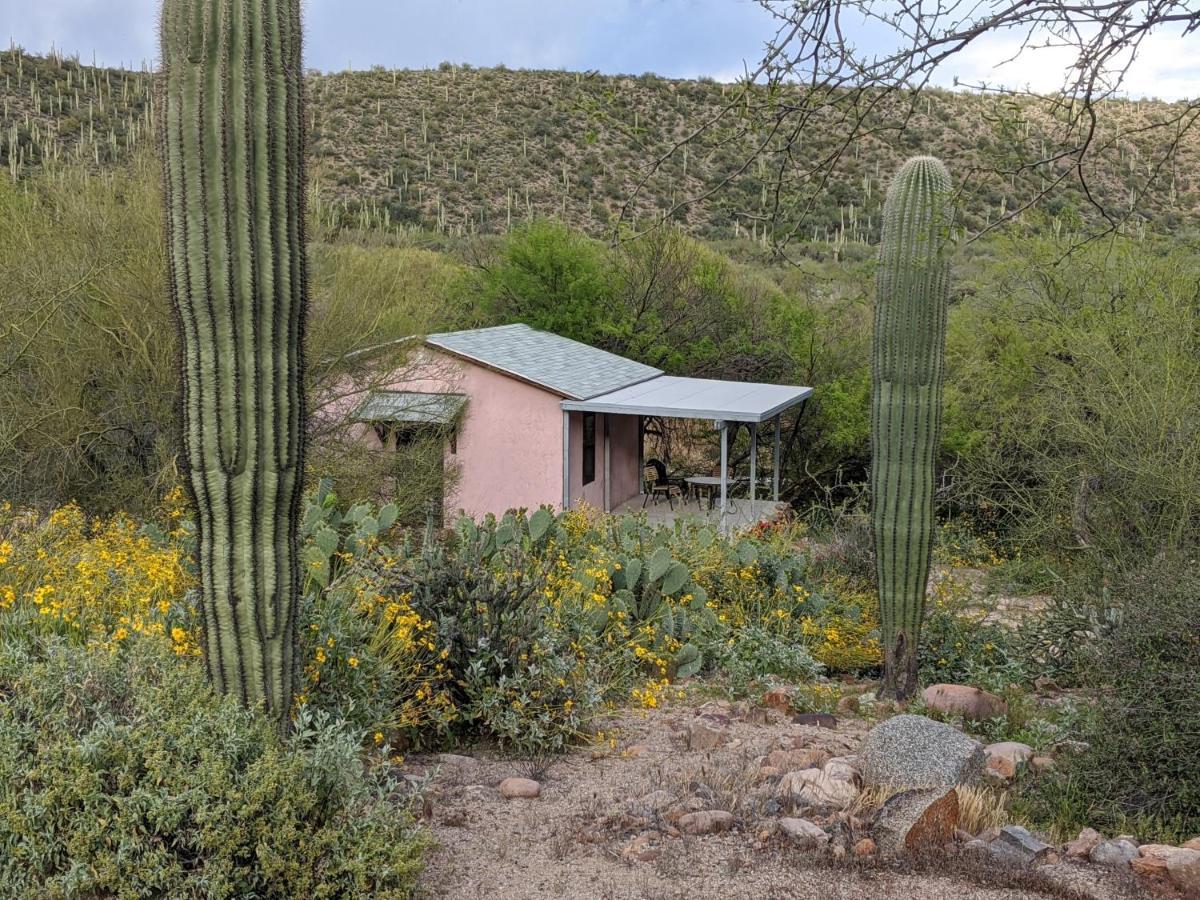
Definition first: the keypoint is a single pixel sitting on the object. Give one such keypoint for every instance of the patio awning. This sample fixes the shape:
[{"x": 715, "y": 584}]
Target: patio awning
[
  {"x": 410, "y": 406},
  {"x": 696, "y": 398}
]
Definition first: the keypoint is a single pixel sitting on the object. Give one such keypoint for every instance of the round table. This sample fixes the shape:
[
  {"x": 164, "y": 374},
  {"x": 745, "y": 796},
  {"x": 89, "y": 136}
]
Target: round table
[{"x": 710, "y": 484}]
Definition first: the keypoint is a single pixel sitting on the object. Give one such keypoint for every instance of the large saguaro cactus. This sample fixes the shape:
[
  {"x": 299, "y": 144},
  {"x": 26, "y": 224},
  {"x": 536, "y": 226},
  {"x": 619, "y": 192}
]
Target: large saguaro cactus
[
  {"x": 912, "y": 291},
  {"x": 231, "y": 135}
]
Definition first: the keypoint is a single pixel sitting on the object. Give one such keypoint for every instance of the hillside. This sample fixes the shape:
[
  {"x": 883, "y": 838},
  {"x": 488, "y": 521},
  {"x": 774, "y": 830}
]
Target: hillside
[{"x": 463, "y": 150}]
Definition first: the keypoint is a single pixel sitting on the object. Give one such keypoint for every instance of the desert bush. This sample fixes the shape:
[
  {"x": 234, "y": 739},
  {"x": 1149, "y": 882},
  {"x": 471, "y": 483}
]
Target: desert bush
[
  {"x": 1143, "y": 734},
  {"x": 125, "y": 775}
]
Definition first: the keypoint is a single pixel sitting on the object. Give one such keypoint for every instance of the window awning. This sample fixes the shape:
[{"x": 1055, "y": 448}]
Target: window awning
[
  {"x": 410, "y": 406},
  {"x": 696, "y": 398}
]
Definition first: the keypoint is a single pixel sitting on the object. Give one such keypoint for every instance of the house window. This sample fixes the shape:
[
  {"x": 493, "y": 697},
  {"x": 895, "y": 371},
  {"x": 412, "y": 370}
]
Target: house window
[{"x": 589, "y": 447}]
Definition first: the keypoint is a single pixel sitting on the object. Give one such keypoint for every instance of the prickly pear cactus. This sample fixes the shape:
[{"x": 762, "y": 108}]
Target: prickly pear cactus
[
  {"x": 231, "y": 95},
  {"x": 906, "y": 403}
]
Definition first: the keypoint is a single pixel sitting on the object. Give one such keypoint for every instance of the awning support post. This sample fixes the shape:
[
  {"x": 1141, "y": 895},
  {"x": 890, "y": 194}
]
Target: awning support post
[
  {"x": 724, "y": 471},
  {"x": 753, "y": 465},
  {"x": 566, "y": 491},
  {"x": 607, "y": 468},
  {"x": 775, "y": 464}
]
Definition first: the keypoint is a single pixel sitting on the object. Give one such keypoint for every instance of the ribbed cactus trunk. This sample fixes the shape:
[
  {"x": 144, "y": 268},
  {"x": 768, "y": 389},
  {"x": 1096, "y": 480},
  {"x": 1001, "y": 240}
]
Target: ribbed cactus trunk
[
  {"x": 906, "y": 404},
  {"x": 231, "y": 94}
]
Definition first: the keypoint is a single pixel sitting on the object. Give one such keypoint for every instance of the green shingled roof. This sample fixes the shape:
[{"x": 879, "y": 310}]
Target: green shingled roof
[
  {"x": 410, "y": 406},
  {"x": 574, "y": 370}
]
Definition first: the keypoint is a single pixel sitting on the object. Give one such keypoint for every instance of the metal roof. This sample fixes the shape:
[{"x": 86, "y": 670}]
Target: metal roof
[
  {"x": 696, "y": 398},
  {"x": 559, "y": 364},
  {"x": 410, "y": 406}
]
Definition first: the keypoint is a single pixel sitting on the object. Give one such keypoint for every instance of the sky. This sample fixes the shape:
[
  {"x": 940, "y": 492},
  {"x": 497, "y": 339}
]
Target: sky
[{"x": 673, "y": 38}]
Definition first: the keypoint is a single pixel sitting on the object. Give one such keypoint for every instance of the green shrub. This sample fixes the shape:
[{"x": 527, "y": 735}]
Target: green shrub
[
  {"x": 755, "y": 654},
  {"x": 123, "y": 775},
  {"x": 1143, "y": 735}
]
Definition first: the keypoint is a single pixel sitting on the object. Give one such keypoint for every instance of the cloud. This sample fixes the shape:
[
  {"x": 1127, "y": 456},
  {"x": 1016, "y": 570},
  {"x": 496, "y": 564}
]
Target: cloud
[{"x": 1165, "y": 67}]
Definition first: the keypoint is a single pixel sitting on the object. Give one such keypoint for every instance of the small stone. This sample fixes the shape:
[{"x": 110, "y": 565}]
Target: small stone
[
  {"x": 803, "y": 832},
  {"x": 1015, "y": 844},
  {"x": 813, "y": 789},
  {"x": 1193, "y": 844},
  {"x": 847, "y": 705},
  {"x": 1157, "y": 851},
  {"x": 1116, "y": 854},
  {"x": 964, "y": 700},
  {"x": 793, "y": 760},
  {"x": 976, "y": 848},
  {"x": 909, "y": 751},
  {"x": 820, "y": 720},
  {"x": 864, "y": 849},
  {"x": 842, "y": 768},
  {"x": 779, "y": 698},
  {"x": 702, "y": 735},
  {"x": 635, "y": 751},
  {"x": 1082, "y": 845},
  {"x": 988, "y": 834},
  {"x": 1149, "y": 865},
  {"x": 709, "y": 821},
  {"x": 1183, "y": 868},
  {"x": 1040, "y": 764},
  {"x": 766, "y": 773},
  {"x": 839, "y": 852},
  {"x": 520, "y": 789},
  {"x": 916, "y": 820},
  {"x": 1008, "y": 758},
  {"x": 457, "y": 761},
  {"x": 642, "y": 848}
]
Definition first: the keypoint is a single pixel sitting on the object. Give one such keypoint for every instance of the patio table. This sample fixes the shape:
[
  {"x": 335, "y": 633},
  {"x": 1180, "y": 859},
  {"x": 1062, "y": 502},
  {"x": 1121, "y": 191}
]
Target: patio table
[{"x": 706, "y": 484}]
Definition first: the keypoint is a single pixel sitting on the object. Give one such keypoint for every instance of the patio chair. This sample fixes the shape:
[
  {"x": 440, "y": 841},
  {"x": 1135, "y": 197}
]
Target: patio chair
[{"x": 656, "y": 483}]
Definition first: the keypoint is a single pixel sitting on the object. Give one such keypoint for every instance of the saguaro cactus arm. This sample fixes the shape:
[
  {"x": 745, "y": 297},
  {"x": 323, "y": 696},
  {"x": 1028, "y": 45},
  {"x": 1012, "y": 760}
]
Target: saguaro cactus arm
[
  {"x": 906, "y": 404},
  {"x": 231, "y": 94}
]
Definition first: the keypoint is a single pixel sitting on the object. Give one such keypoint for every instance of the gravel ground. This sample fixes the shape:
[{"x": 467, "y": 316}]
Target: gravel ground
[{"x": 587, "y": 835}]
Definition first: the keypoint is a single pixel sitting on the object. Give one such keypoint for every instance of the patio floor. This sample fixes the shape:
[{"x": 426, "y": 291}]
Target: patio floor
[{"x": 740, "y": 515}]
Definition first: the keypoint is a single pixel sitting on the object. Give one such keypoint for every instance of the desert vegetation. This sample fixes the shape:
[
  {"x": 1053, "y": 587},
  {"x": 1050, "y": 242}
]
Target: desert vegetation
[{"x": 1040, "y": 559}]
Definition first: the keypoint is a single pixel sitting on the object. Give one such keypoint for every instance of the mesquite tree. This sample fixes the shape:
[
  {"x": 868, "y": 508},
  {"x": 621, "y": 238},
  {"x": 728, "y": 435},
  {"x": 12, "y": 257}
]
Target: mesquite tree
[
  {"x": 912, "y": 292},
  {"x": 231, "y": 133}
]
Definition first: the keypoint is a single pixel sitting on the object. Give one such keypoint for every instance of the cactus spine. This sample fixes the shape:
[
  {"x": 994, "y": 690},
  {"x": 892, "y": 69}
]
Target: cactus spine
[
  {"x": 231, "y": 94},
  {"x": 912, "y": 292}
]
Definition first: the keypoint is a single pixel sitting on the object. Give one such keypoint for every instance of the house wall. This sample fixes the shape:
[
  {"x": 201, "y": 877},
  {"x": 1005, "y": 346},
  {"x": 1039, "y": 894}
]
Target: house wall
[{"x": 509, "y": 443}]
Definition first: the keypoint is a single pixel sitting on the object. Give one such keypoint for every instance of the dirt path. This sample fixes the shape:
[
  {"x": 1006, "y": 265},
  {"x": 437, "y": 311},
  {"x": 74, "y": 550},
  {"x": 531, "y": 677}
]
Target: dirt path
[{"x": 602, "y": 826}]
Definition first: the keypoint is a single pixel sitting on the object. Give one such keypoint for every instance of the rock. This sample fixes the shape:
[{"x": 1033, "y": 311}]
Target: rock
[
  {"x": 843, "y": 768},
  {"x": 702, "y": 735},
  {"x": 1015, "y": 845},
  {"x": 916, "y": 820},
  {"x": 916, "y": 752},
  {"x": 1040, "y": 764},
  {"x": 1193, "y": 844},
  {"x": 803, "y": 832},
  {"x": 779, "y": 698},
  {"x": 1008, "y": 758},
  {"x": 1082, "y": 845},
  {"x": 642, "y": 848},
  {"x": 964, "y": 700},
  {"x": 1083, "y": 882},
  {"x": 1183, "y": 869},
  {"x": 635, "y": 751},
  {"x": 791, "y": 760},
  {"x": 988, "y": 834},
  {"x": 709, "y": 821},
  {"x": 864, "y": 849},
  {"x": 520, "y": 789},
  {"x": 1149, "y": 865},
  {"x": 457, "y": 761},
  {"x": 1116, "y": 854},
  {"x": 976, "y": 848},
  {"x": 820, "y": 720},
  {"x": 766, "y": 773},
  {"x": 1156, "y": 851},
  {"x": 813, "y": 789}
]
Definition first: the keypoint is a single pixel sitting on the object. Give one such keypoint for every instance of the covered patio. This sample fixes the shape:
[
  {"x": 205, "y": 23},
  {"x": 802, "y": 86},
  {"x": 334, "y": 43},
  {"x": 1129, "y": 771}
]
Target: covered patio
[{"x": 725, "y": 403}]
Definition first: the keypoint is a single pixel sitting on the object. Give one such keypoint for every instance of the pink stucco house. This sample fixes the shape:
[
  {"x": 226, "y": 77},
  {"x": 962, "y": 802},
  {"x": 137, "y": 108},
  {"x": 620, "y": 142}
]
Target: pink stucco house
[{"x": 541, "y": 419}]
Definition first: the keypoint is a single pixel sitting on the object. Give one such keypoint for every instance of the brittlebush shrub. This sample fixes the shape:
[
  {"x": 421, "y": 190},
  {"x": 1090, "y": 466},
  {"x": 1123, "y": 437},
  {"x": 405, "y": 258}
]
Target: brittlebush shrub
[
  {"x": 124, "y": 775},
  {"x": 1143, "y": 734}
]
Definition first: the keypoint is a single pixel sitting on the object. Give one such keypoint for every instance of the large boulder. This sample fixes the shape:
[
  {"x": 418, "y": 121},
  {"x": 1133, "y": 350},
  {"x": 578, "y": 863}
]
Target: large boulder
[
  {"x": 1184, "y": 869},
  {"x": 915, "y": 752},
  {"x": 964, "y": 700},
  {"x": 916, "y": 820}
]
